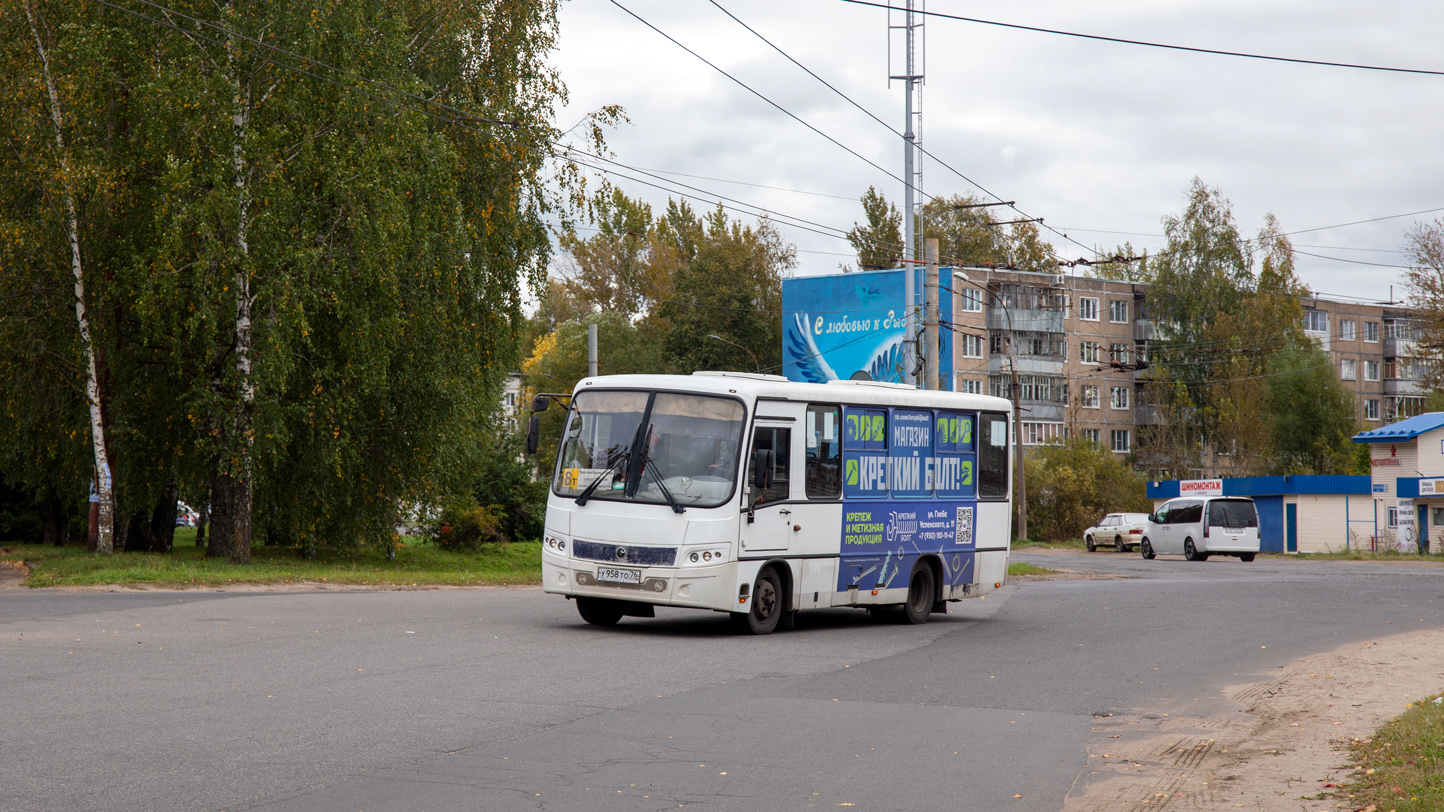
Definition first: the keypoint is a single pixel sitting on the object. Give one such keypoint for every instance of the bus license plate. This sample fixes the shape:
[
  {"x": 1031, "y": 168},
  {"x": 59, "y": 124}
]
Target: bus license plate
[{"x": 619, "y": 576}]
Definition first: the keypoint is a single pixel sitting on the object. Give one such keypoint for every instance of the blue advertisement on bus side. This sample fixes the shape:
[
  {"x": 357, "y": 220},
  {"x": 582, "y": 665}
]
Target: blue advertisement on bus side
[{"x": 882, "y": 540}]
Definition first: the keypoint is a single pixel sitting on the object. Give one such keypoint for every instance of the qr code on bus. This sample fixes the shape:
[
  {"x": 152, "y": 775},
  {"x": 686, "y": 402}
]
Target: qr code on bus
[{"x": 964, "y": 532}]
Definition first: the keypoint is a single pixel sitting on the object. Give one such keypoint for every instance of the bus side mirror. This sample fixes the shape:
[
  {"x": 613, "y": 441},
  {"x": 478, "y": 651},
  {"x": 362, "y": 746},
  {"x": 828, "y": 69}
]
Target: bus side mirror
[
  {"x": 762, "y": 469},
  {"x": 533, "y": 434},
  {"x": 540, "y": 403}
]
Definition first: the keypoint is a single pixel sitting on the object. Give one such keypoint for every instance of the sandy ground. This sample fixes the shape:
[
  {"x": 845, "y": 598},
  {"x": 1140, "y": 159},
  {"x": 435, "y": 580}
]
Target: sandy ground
[{"x": 1285, "y": 743}]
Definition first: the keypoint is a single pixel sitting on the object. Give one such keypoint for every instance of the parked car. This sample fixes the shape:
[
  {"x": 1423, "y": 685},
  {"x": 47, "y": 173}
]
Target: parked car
[
  {"x": 1120, "y": 530},
  {"x": 1201, "y": 527}
]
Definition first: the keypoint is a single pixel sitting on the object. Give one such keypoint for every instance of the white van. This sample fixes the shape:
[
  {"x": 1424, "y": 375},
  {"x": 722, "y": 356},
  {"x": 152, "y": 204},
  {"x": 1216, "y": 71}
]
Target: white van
[{"x": 1200, "y": 527}]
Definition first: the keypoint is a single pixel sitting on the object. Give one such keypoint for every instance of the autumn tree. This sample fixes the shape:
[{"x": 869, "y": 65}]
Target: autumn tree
[{"x": 878, "y": 244}]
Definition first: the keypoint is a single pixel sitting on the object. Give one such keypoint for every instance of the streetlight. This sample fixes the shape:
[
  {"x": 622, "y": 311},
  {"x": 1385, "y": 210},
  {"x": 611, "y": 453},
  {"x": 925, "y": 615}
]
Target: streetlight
[{"x": 755, "y": 365}]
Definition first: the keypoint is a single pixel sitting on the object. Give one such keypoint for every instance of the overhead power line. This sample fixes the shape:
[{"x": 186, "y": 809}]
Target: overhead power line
[{"x": 1147, "y": 44}]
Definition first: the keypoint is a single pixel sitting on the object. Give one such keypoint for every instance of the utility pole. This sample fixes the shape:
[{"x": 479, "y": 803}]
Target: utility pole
[
  {"x": 592, "y": 350},
  {"x": 931, "y": 323},
  {"x": 911, "y": 77}
]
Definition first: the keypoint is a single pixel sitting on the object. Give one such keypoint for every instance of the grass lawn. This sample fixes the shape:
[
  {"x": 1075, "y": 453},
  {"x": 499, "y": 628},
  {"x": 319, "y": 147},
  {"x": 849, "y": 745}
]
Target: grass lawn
[
  {"x": 1402, "y": 766},
  {"x": 1019, "y": 568},
  {"x": 1070, "y": 544},
  {"x": 418, "y": 563}
]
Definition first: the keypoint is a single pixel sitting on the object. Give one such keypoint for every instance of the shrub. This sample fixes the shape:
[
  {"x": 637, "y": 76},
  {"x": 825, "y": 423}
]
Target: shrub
[
  {"x": 1072, "y": 484},
  {"x": 467, "y": 526}
]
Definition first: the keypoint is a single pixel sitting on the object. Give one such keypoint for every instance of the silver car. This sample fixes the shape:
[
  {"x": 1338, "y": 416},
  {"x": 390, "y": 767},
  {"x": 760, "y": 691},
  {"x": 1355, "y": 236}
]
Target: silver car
[{"x": 1121, "y": 531}]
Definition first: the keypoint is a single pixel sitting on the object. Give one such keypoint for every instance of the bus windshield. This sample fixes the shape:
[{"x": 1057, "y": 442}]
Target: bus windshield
[{"x": 666, "y": 444}]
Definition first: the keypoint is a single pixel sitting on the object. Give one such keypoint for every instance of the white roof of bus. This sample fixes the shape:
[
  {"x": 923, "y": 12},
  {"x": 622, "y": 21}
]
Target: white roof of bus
[{"x": 752, "y": 386}]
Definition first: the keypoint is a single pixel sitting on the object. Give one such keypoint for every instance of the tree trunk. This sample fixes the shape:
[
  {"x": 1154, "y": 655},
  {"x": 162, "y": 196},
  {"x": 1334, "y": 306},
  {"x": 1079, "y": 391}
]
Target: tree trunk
[
  {"x": 162, "y": 522},
  {"x": 205, "y": 518},
  {"x": 239, "y": 470},
  {"x": 137, "y": 534},
  {"x": 222, "y": 516},
  {"x": 54, "y": 523},
  {"x": 105, "y": 536}
]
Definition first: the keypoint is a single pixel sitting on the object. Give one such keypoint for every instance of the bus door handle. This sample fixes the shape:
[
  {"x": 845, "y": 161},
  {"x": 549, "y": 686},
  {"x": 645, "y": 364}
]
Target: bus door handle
[{"x": 784, "y": 512}]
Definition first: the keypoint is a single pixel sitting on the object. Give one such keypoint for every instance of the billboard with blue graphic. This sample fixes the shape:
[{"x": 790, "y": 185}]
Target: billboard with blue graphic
[{"x": 837, "y": 326}]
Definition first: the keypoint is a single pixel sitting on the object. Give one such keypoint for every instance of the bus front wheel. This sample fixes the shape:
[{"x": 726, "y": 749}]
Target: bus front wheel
[
  {"x": 921, "y": 595},
  {"x": 767, "y": 608},
  {"x": 599, "y": 611}
]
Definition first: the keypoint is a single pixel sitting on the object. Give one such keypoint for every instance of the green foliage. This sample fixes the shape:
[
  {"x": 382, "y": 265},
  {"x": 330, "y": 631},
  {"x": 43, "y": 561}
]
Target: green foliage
[
  {"x": 879, "y": 244},
  {"x": 1313, "y": 415},
  {"x": 379, "y": 251},
  {"x": 1401, "y": 767},
  {"x": 505, "y": 482},
  {"x": 1071, "y": 485},
  {"x": 467, "y": 525}
]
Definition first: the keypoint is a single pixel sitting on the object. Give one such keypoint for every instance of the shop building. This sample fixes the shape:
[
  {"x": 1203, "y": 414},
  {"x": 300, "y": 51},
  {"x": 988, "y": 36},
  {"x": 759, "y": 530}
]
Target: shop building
[
  {"x": 1407, "y": 461},
  {"x": 1296, "y": 514}
]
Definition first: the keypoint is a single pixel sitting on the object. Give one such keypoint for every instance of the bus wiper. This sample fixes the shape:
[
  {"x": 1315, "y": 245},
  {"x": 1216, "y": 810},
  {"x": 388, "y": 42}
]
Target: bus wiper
[
  {"x": 590, "y": 489},
  {"x": 662, "y": 486}
]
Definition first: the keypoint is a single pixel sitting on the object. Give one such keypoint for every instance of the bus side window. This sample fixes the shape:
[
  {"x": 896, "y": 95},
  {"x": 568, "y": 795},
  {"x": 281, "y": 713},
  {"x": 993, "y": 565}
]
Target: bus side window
[
  {"x": 779, "y": 442},
  {"x": 824, "y": 452},
  {"x": 992, "y": 455}
]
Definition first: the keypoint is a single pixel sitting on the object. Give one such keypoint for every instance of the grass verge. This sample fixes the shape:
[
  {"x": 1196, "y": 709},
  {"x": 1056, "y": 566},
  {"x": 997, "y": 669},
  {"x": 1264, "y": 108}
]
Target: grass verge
[
  {"x": 1019, "y": 568},
  {"x": 1070, "y": 544},
  {"x": 1401, "y": 767},
  {"x": 418, "y": 563}
]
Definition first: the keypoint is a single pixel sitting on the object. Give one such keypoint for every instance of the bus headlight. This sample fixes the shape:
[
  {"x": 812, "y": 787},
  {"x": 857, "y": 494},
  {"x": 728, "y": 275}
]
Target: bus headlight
[{"x": 694, "y": 558}]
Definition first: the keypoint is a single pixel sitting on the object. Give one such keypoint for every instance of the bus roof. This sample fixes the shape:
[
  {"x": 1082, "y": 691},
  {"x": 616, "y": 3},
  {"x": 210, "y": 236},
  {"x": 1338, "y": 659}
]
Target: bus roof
[{"x": 753, "y": 386}]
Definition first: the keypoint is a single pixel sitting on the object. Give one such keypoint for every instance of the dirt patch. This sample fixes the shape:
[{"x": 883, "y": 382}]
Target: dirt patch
[
  {"x": 1286, "y": 742},
  {"x": 13, "y": 574},
  {"x": 1067, "y": 575}
]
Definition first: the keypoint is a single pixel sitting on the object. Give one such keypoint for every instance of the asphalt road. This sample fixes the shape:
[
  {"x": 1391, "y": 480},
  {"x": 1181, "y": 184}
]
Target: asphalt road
[{"x": 501, "y": 699}]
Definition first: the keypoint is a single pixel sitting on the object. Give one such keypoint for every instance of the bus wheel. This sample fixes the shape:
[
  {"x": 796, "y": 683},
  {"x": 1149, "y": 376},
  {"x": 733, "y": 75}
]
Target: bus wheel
[
  {"x": 920, "y": 595},
  {"x": 599, "y": 611},
  {"x": 767, "y": 607},
  {"x": 1146, "y": 547}
]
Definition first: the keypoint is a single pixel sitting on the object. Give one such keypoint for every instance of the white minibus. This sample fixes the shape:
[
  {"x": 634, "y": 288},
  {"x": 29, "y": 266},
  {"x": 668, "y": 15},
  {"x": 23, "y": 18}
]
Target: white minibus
[
  {"x": 1199, "y": 527},
  {"x": 758, "y": 496}
]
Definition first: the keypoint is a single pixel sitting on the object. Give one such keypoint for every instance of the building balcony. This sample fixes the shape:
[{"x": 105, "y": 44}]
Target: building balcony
[
  {"x": 1404, "y": 386},
  {"x": 1041, "y": 410},
  {"x": 1395, "y": 347},
  {"x": 1027, "y": 364},
  {"x": 1147, "y": 415},
  {"x": 1020, "y": 320},
  {"x": 1143, "y": 330}
]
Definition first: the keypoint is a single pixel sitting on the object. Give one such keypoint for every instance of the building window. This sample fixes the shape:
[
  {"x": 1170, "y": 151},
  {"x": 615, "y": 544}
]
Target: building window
[
  {"x": 1371, "y": 410},
  {"x": 972, "y": 301},
  {"x": 1090, "y": 397},
  {"x": 1118, "y": 311},
  {"x": 1118, "y": 353},
  {"x": 1348, "y": 369},
  {"x": 1040, "y": 433},
  {"x": 1120, "y": 440},
  {"x": 996, "y": 344},
  {"x": 1030, "y": 387},
  {"x": 970, "y": 386},
  {"x": 1087, "y": 309},
  {"x": 1408, "y": 407},
  {"x": 1118, "y": 397},
  {"x": 1091, "y": 435},
  {"x": 1371, "y": 370},
  {"x": 1316, "y": 321},
  {"x": 1346, "y": 329},
  {"x": 972, "y": 346},
  {"x": 1371, "y": 331},
  {"x": 1088, "y": 352},
  {"x": 1393, "y": 517}
]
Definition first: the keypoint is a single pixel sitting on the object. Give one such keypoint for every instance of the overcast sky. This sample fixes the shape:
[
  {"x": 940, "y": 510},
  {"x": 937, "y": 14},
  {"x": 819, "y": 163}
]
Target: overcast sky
[{"x": 1095, "y": 137}]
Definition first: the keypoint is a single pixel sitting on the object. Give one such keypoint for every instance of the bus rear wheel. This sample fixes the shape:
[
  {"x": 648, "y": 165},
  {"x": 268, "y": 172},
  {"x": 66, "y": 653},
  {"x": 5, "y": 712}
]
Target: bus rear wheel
[
  {"x": 599, "y": 611},
  {"x": 767, "y": 608},
  {"x": 920, "y": 595}
]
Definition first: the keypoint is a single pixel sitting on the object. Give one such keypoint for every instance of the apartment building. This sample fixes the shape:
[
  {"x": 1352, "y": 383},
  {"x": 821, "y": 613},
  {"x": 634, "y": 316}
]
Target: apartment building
[{"x": 1078, "y": 347}]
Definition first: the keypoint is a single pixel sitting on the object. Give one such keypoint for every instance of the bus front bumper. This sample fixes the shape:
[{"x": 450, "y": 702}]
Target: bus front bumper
[{"x": 698, "y": 587}]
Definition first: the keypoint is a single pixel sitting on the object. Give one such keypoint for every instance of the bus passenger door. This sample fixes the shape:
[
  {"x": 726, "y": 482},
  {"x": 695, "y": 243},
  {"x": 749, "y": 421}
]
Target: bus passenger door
[{"x": 767, "y": 525}]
